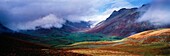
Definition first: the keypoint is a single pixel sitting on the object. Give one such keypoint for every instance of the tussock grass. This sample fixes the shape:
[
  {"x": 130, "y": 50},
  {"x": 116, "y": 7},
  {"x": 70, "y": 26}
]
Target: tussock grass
[{"x": 148, "y": 43}]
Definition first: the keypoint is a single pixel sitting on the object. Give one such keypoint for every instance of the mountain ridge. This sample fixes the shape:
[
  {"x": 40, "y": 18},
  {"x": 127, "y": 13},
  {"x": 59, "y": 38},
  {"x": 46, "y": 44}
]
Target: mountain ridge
[
  {"x": 4, "y": 29},
  {"x": 125, "y": 23}
]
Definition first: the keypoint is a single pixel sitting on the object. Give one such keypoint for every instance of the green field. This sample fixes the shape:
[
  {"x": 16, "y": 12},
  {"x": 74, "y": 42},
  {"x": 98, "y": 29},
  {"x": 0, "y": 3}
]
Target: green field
[{"x": 70, "y": 38}]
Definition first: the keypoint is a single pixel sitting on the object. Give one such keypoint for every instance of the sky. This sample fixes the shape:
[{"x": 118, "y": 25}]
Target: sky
[
  {"x": 29, "y": 14},
  {"x": 139, "y": 3},
  {"x": 135, "y": 3}
]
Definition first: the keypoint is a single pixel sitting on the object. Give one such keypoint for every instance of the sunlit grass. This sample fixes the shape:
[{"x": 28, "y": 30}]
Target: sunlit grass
[
  {"x": 93, "y": 43},
  {"x": 148, "y": 43}
]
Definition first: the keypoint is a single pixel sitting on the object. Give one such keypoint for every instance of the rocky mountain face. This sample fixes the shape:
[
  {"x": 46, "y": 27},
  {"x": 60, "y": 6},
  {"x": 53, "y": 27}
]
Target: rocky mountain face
[
  {"x": 124, "y": 23},
  {"x": 78, "y": 26}
]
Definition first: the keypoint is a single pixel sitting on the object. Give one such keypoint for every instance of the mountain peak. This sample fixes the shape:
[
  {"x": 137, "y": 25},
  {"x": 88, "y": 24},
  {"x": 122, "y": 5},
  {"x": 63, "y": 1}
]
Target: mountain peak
[{"x": 125, "y": 23}]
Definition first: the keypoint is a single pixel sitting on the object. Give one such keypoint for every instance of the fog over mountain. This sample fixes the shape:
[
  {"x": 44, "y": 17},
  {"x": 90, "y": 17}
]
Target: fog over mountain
[
  {"x": 158, "y": 13},
  {"x": 154, "y": 15},
  {"x": 29, "y": 14}
]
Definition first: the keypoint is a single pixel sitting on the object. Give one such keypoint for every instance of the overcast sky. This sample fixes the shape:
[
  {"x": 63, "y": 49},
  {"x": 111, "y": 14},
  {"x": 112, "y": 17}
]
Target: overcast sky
[{"x": 28, "y": 14}]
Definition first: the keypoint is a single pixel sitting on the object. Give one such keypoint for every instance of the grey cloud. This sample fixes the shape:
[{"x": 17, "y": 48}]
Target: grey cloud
[
  {"x": 158, "y": 13},
  {"x": 23, "y": 14}
]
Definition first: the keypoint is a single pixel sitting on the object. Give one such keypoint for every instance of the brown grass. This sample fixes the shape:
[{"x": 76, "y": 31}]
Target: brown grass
[
  {"x": 151, "y": 36},
  {"x": 148, "y": 43}
]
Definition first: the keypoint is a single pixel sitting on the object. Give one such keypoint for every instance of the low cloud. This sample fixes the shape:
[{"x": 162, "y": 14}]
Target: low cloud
[
  {"x": 158, "y": 13},
  {"x": 45, "y": 22},
  {"x": 29, "y": 14}
]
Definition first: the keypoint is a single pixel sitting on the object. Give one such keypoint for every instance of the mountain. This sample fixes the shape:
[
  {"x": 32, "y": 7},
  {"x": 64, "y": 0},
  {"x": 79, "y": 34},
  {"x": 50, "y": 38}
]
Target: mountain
[
  {"x": 67, "y": 28},
  {"x": 20, "y": 44},
  {"x": 59, "y": 36},
  {"x": 76, "y": 26},
  {"x": 70, "y": 33},
  {"x": 4, "y": 29},
  {"x": 124, "y": 23},
  {"x": 11, "y": 45}
]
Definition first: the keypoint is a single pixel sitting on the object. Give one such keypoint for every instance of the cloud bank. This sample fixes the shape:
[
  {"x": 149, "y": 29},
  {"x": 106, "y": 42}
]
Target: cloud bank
[
  {"x": 158, "y": 13},
  {"x": 29, "y": 14},
  {"x": 45, "y": 22}
]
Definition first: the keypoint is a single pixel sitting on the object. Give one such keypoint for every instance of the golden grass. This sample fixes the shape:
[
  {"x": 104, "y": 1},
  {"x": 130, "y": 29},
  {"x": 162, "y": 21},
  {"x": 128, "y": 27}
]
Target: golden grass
[
  {"x": 125, "y": 49},
  {"x": 148, "y": 43},
  {"x": 162, "y": 35},
  {"x": 93, "y": 43},
  {"x": 145, "y": 34},
  {"x": 100, "y": 52}
]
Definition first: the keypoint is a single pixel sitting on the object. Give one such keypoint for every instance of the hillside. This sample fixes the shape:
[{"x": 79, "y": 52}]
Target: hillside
[
  {"x": 151, "y": 36},
  {"x": 147, "y": 43},
  {"x": 56, "y": 37},
  {"x": 124, "y": 23},
  {"x": 11, "y": 46},
  {"x": 19, "y": 44},
  {"x": 4, "y": 29}
]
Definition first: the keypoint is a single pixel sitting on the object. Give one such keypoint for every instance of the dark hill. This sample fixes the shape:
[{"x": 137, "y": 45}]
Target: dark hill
[{"x": 12, "y": 46}]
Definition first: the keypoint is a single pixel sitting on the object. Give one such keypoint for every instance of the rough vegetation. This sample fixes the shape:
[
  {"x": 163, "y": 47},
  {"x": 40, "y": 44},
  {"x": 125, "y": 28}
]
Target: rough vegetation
[
  {"x": 10, "y": 46},
  {"x": 151, "y": 36},
  {"x": 149, "y": 43}
]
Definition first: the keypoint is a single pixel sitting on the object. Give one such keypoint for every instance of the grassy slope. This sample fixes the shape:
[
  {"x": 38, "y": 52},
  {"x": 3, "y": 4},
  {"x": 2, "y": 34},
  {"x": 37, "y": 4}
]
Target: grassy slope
[
  {"x": 57, "y": 41},
  {"x": 118, "y": 48},
  {"x": 154, "y": 42},
  {"x": 151, "y": 43},
  {"x": 11, "y": 46}
]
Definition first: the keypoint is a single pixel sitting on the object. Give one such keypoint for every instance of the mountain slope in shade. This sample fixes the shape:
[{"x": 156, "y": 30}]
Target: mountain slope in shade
[
  {"x": 12, "y": 46},
  {"x": 123, "y": 23},
  {"x": 151, "y": 36},
  {"x": 76, "y": 26},
  {"x": 4, "y": 29}
]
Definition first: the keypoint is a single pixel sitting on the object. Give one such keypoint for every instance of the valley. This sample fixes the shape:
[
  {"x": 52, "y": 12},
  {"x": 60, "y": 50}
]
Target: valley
[
  {"x": 152, "y": 42},
  {"x": 148, "y": 44},
  {"x": 84, "y": 28}
]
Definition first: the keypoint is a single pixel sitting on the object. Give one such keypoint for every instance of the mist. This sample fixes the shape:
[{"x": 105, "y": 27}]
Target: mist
[
  {"x": 45, "y": 22},
  {"x": 158, "y": 13},
  {"x": 29, "y": 14}
]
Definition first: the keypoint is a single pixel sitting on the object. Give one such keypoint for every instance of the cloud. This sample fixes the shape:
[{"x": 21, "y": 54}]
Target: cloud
[
  {"x": 19, "y": 13},
  {"x": 158, "y": 13},
  {"x": 45, "y": 22},
  {"x": 115, "y": 5}
]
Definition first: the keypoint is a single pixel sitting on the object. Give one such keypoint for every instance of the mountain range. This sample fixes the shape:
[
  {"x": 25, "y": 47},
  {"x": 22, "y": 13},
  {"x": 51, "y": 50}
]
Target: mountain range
[
  {"x": 124, "y": 23},
  {"x": 67, "y": 28},
  {"x": 120, "y": 24},
  {"x": 117, "y": 35}
]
